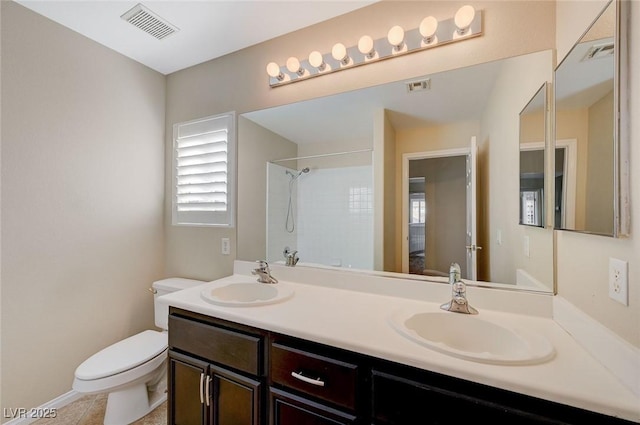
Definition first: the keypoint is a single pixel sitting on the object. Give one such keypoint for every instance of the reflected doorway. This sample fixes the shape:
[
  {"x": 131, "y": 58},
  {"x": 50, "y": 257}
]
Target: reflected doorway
[{"x": 437, "y": 211}]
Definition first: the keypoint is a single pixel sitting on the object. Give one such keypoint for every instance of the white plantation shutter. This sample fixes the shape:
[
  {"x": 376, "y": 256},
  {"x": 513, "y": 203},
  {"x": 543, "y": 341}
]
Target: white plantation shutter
[{"x": 204, "y": 171}]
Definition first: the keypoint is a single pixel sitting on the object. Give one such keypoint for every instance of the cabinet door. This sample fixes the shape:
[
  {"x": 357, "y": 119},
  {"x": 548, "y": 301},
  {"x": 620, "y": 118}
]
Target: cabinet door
[
  {"x": 288, "y": 409},
  {"x": 401, "y": 401},
  {"x": 186, "y": 380},
  {"x": 234, "y": 399}
]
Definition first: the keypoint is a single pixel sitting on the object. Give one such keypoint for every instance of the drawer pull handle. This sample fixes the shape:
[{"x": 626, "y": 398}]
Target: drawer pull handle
[
  {"x": 317, "y": 381},
  {"x": 201, "y": 388}
]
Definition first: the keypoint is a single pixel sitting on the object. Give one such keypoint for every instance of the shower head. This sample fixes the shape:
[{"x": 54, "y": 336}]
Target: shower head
[{"x": 295, "y": 176}]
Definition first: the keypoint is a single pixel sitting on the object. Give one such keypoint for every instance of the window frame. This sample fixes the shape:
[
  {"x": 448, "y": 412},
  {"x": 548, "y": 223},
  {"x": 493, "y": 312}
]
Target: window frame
[{"x": 226, "y": 219}]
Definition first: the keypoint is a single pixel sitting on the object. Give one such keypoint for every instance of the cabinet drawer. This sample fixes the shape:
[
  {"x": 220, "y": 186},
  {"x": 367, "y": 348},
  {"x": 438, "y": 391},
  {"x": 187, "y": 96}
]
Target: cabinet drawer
[
  {"x": 328, "y": 379},
  {"x": 289, "y": 409},
  {"x": 399, "y": 401},
  {"x": 219, "y": 345}
]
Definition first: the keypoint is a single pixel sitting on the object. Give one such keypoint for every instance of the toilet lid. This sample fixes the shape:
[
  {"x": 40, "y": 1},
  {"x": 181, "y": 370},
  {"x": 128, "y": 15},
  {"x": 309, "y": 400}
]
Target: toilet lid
[{"x": 123, "y": 355}]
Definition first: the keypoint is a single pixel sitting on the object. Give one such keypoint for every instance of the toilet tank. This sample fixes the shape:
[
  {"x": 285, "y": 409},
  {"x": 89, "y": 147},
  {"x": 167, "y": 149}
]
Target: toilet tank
[{"x": 167, "y": 286}]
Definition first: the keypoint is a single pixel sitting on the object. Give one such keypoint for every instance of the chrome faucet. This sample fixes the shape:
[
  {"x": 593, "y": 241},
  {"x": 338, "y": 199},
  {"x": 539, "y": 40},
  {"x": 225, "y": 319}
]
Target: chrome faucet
[
  {"x": 290, "y": 256},
  {"x": 264, "y": 273},
  {"x": 458, "y": 303}
]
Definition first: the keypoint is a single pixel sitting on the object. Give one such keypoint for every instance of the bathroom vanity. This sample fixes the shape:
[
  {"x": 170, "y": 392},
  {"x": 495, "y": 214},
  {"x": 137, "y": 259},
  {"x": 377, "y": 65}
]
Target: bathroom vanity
[{"x": 327, "y": 355}]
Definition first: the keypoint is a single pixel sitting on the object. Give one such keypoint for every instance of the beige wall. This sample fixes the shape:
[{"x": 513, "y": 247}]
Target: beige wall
[
  {"x": 82, "y": 196},
  {"x": 238, "y": 82},
  {"x": 353, "y": 159},
  {"x": 392, "y": 251},
  {"x": 599, "y": 217},
  {"x": 583, "y": 260},
  {"x": 257, "y": 144},
  {"x": 1, "y": 363},
  {"x": 573, "y": 124},
  {"x": 533, "y": 126},
  {"x": 519, "y": 80}
]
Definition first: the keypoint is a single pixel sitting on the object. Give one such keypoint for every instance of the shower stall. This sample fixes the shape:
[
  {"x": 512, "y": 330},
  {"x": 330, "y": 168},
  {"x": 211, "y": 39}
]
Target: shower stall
[{"x": 322, "y": 207}]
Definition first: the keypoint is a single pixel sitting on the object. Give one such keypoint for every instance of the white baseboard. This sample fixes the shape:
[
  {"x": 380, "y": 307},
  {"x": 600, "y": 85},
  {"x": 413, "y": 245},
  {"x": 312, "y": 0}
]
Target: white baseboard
[
  {"x": 616, "y": 354},
  {"x": 29, "y": 416}
]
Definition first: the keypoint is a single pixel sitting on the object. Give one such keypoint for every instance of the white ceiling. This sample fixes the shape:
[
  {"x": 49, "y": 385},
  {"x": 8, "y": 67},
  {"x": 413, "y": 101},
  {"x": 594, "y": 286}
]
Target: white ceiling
[{"x": 207, "y": 28}]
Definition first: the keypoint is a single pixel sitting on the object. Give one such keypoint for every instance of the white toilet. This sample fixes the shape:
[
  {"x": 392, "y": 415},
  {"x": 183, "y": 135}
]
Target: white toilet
[{"x": 132, "y": 371}]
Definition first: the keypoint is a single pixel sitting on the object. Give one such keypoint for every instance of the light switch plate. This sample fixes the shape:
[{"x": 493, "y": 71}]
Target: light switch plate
[{"x": 225, "y": 247}]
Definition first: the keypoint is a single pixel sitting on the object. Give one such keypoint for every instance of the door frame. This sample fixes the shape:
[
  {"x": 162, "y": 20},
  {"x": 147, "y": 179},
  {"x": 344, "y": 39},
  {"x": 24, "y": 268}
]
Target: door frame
[{"x": 406, "y": 158}]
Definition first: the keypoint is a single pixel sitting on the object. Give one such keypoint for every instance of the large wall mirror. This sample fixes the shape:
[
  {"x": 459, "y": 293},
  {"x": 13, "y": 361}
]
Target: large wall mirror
[
  {"x": 533, "y": 142},
  {"x": 405, "y": 177},
  {"x": 590, "y": 175}
]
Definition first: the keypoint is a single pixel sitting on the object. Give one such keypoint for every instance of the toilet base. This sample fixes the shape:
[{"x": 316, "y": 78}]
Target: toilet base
[{"x": 132, "y": 403}]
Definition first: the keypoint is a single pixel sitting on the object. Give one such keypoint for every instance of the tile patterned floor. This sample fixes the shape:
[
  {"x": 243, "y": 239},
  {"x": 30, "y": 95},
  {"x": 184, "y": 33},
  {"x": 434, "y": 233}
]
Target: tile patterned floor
[{"x": 89, "y": 410}]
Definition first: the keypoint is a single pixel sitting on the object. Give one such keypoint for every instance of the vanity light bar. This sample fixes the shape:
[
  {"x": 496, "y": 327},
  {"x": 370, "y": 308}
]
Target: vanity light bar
[{"x": 466, "y": 24}]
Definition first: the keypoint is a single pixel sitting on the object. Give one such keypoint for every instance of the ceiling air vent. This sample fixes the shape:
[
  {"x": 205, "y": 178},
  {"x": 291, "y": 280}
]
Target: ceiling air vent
[
  {"x": 421, "y": 85},
  {"x": 149, "y": 22},
  {"x": 599, "y": 51}
]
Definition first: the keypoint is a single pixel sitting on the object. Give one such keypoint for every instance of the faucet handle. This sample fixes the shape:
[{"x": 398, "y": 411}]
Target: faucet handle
[
  {"x": 263, "y": 265},
  {"x": 454, "y": 273}
]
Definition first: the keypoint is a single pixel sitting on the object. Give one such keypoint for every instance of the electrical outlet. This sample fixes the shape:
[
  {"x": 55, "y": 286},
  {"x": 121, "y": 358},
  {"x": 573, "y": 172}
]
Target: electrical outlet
[
  {"x": 526, "y": 249},
  {"x": 225, "y": 246},
  {"x": 619, "y": 280}
]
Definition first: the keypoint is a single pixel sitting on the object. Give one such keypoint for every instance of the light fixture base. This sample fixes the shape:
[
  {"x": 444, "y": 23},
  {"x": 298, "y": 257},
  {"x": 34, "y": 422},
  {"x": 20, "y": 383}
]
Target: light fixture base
[{"x": 446, "y": 33}]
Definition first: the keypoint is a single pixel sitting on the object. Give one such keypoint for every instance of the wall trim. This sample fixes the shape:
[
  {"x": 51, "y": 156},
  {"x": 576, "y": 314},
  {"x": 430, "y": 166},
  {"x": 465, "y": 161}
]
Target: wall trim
[
  {"x": 620, "y": 357},
  {"x": 57, "y": 403}
]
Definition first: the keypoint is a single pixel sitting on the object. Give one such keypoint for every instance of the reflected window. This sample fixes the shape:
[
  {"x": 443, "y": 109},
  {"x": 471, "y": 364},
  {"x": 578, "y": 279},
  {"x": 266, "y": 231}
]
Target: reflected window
[
  {"x": 531, "y": 207},
  {"x": 418, "y": 208}
]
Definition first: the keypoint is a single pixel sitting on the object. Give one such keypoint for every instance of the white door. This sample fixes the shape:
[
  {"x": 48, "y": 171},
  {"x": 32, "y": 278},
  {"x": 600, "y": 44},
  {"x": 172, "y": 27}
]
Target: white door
[{"x": 472, "y": 247}]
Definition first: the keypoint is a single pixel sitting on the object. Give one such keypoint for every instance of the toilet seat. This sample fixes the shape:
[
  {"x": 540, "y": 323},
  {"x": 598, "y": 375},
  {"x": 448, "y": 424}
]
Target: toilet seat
[{"x": 123, "y": 355}]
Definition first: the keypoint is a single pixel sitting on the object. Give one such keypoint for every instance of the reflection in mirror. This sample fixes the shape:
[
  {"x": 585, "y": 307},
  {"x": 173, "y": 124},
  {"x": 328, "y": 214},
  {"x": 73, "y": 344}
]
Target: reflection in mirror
[
  {"x": 586, "y": 131},
  {"x": 322, "y": 207},
  {"x": 533, "y": 130},
  {"x": 350, "y": 209}
]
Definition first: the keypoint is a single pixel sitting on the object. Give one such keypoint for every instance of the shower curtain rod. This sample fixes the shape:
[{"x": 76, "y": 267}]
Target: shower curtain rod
[{"x": 320, "y": 155}]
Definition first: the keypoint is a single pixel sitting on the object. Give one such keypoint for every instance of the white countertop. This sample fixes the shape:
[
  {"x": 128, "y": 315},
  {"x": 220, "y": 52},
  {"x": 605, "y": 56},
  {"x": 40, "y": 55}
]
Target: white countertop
[{"x": 350, "y": 318}]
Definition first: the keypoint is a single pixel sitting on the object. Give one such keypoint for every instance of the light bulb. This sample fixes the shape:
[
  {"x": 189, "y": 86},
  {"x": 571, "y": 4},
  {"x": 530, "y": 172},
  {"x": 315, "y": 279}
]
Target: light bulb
[
  {"x": 316, "y": 60},
  {"x": 365, "y": 46},
  {"x": 339, "y": 53},
  {"x": 293, "y": 65},
  {"x": 273, "y": 69},
  {"x": 396, "y": 37},
  {"x": 464, "y": 17},
  {"x": 428, "y": 28}
]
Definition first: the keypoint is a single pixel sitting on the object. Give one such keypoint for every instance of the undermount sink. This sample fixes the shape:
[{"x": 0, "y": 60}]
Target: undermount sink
[
  {"x": 473, "y": 338},
  {"x": 246, "y": 294}
]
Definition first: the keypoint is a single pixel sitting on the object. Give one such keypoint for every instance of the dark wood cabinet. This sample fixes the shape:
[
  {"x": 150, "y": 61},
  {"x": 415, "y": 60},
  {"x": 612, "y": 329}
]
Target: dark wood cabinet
[
  {"x": 234, "y": 399},
  {"x": 223, "y": 373},
  {"x": 404, "y": 395},
  {"x": 329, "y": 379},
  {"x": 397, "y": 400},
  {"x": 289, "y": 409},
  {"x": 216, "y": 372},
  {"x": 186, "y": 380},
  {"x": 314, "y": 384}
]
